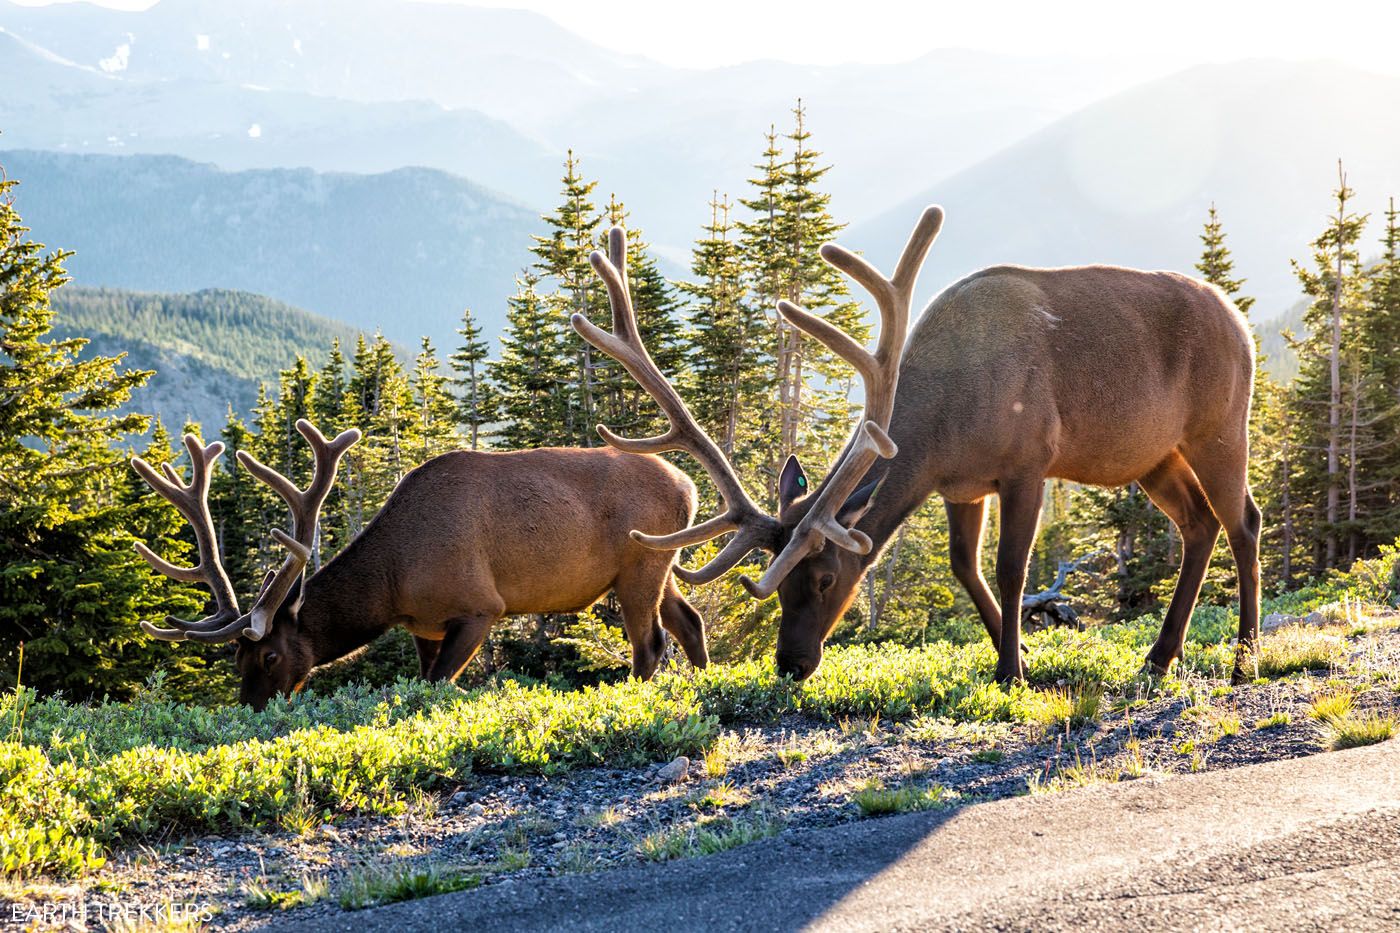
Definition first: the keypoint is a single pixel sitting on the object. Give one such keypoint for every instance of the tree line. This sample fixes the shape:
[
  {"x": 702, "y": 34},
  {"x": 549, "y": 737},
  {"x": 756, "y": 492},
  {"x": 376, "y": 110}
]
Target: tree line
[{"x": 1325, "y": 464}]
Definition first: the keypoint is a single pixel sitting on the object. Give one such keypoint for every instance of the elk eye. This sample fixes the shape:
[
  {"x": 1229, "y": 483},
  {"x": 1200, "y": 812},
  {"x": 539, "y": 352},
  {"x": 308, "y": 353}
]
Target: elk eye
[
  {"x": 270, "y": 660},
  {"x": 826, "y": 582}
]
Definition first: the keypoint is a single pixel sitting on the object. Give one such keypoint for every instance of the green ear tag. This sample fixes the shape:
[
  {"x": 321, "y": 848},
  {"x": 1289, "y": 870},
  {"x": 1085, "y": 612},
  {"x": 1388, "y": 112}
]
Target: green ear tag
[{"x": 802, "y": 481}]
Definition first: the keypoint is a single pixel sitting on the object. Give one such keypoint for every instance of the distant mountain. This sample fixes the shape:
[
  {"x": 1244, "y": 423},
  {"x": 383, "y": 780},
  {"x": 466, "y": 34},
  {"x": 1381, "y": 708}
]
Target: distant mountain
[
  {"x": 1128, "y": 180},
  {"x": 210, "y": 349},
  {"x": 67, "y": 107},
  {"x": 345, "y": 85},
  {"x": 404, "y": 251}
]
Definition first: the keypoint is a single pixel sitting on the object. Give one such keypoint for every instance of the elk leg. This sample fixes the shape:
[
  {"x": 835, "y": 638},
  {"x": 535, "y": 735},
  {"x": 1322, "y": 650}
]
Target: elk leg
[
  {"x": 1173, "y": 487},
  {"x": 1223, "y": 472},
  {"x": 1020, "y": 514},
  {"x": 685, "y": 624},
  {"x": 639, "y": 596},
  {"x": 427, "y": 654},
  {"x": 965, "y": 525},
  {"x": 461, "y": 643}
]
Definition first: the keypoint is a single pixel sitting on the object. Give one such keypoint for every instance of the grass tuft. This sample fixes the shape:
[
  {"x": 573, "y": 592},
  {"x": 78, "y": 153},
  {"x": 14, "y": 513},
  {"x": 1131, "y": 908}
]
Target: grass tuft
[
  {"x": 375, "y": 885},
  {"x": 875, "y": 799},
  {"x": 1353, "y": 731}
]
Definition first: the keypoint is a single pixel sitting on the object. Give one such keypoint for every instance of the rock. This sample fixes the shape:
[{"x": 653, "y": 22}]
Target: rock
[
  {"x": 460, "y": 799},
  {"x": 1276, "y": 620},
  {"x": 675, "y": 771},
  {"x": 1316, "y": 617},
  {"x": 476, "y": 809}
]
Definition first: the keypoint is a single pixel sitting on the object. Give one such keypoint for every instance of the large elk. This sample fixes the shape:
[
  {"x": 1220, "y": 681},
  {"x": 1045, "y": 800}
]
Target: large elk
[
  {"x": 1094, "y": 374},
  {"x": 464, "y": 539}
]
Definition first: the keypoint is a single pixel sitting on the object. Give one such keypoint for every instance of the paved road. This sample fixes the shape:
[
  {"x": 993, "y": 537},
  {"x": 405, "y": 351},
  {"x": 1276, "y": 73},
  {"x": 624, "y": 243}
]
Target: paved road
[{"x": 1312, "y": 843}]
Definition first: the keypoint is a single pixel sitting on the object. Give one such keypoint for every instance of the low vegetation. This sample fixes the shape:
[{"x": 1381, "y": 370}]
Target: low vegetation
[
  {"x": 84, "y": 779},
  {"x": 875, "y": 799}
]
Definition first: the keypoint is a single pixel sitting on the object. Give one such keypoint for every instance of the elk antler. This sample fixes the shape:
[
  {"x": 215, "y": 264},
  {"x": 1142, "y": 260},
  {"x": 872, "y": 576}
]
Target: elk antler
[
  {"x": 879, "y": 371},
  {"x": 306, "y": 508},
  {"x": 192, "y": 501},
  {"x": 756, "y": 529}
]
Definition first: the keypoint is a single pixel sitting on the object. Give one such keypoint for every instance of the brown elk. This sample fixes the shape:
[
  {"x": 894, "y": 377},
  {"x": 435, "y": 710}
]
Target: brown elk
[
  {"x": 1095, "y": 374},
  {"x": 464, "y": 539}
]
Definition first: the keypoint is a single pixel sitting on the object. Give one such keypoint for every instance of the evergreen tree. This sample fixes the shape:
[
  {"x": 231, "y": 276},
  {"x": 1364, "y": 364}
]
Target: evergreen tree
[
  {"x": 72, "y": 588},
  {"x": 804, "y": 224},
  {"x": 729, "y": 370},
  {"x": 659, "y": 321},
  {"x": 1334, "y": 282},
  {"x": 435, "y": 431},
  {"x": 533, "y": 372},
  {"x": 563, "y": 258},
  {"x": 1382, "y": 349},
  {"x": 478, "y": 400}
]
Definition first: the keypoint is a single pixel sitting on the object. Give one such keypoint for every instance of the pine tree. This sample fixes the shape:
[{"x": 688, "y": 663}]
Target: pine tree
[
  {"x": 563, "y": 258},
  {"x": 804, "y": 224},
  {"x": 729, "y": 370},
  {"x": 72, "y": 588},
  {"x": 435, "y": 431},
  {"x": 631, "y": 410},
  {"x": 1383, "y": 350},
  {"x": 478, "y": 401},
  {"x": 533, "y": 373},
  {"x": 1334, "y": 282}
]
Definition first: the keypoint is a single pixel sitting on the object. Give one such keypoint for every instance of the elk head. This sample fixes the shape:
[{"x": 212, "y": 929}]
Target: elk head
[
  {"x": 271, "y": 658},
  {"x": 815, "y": 582}
]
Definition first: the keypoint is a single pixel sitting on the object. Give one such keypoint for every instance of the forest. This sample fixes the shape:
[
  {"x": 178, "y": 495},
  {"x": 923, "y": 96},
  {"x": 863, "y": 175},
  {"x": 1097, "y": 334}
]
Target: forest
[{"x": 1325, "y": 462}]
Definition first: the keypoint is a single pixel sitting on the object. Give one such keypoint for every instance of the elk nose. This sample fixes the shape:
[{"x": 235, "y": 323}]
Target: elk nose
[{"x": 796, "y": 668}]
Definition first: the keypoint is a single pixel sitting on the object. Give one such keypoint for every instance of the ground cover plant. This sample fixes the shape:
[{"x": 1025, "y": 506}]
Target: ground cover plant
[{"x": 86, "y": 779}]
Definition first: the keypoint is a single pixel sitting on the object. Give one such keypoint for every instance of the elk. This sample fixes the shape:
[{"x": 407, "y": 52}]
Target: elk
[
  {"x": 464, "y": 539},
  {"x": 1095, "y": 374}
]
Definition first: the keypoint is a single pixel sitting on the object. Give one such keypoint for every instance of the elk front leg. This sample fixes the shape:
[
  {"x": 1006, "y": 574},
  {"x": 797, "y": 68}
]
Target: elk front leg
[
  {"x": 427, "y": 654},
  {"x": 965, "y": 521},
  {"x": 685, "y": 624},
  {"x": 461, "y": 643},
  {"x": 1020, "y": 514}
]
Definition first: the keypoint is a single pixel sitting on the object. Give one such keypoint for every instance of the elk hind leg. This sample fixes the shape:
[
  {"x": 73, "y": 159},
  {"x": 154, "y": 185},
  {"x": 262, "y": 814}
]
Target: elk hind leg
[
  {"x": 1021, "y": 500},
  {"x": 1174, "y": 488},
  {"x": 684, "y": 623},
  {"x": 1223, "y": 471}
]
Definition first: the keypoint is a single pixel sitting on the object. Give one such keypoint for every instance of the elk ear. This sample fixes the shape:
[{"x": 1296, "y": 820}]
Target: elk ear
[
  {"x": 858, "y": 504},
  {"x": 792, "y": 484}
]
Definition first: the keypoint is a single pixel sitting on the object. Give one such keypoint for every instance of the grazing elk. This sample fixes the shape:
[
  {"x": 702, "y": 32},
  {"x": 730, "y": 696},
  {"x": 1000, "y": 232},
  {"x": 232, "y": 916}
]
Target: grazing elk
[
  {"x": 464, "y": 539},
  {"x": 1094, "y": 374}
]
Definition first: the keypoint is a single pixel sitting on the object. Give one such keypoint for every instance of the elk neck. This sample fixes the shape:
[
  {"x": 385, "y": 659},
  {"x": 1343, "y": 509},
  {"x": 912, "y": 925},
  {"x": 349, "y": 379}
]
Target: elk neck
[{"x": 347, "y": 603}]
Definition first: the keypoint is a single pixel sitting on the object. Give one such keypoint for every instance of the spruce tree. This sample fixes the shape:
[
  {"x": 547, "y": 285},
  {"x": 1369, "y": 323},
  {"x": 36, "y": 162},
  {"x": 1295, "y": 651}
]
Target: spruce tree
[
  {"x": 1334, "y": 282},
  {"x": 435, "y": 431},
  {"x": 658, "y": 310},
  {"x": 533, "y": 373},
  {"x": 72, "y": 588},
  {"x": 477, "y": 398},
  {"x": 729, "y": 370},
  {"x": 563, "y": 259}
]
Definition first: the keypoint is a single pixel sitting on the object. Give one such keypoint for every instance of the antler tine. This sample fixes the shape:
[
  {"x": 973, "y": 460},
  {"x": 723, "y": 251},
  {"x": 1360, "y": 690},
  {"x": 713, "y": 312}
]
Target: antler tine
[
  {"x": 624, "y": 344},
  {"x": 879, "y": 371},
  {"x": 305, "y": 506},
  {"x": 191, "y": 500}
]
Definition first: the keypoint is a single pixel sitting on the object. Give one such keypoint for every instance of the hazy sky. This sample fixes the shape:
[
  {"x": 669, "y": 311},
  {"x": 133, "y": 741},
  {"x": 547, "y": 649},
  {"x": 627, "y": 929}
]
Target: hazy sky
[{"x": 703, "y": 32}]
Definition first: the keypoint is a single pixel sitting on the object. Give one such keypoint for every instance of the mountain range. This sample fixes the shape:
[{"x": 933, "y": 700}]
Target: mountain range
[{"x": 387, "y": 177}]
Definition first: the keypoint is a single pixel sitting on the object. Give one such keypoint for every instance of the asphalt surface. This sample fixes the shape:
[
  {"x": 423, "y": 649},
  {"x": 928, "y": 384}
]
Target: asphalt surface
[{"x": 1311, "y": 843}]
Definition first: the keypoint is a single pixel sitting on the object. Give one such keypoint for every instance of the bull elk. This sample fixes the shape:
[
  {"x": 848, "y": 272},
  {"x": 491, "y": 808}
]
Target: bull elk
[
  {"x": 464, "y": 539},
  {"x": 1095, "y": 374}
]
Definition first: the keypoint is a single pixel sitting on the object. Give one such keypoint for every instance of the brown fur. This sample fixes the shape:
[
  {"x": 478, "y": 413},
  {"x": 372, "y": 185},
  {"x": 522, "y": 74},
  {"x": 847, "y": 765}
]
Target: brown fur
[
  {"x": 469, "y": 537},
  {"x": 1094, "y": 374}
]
